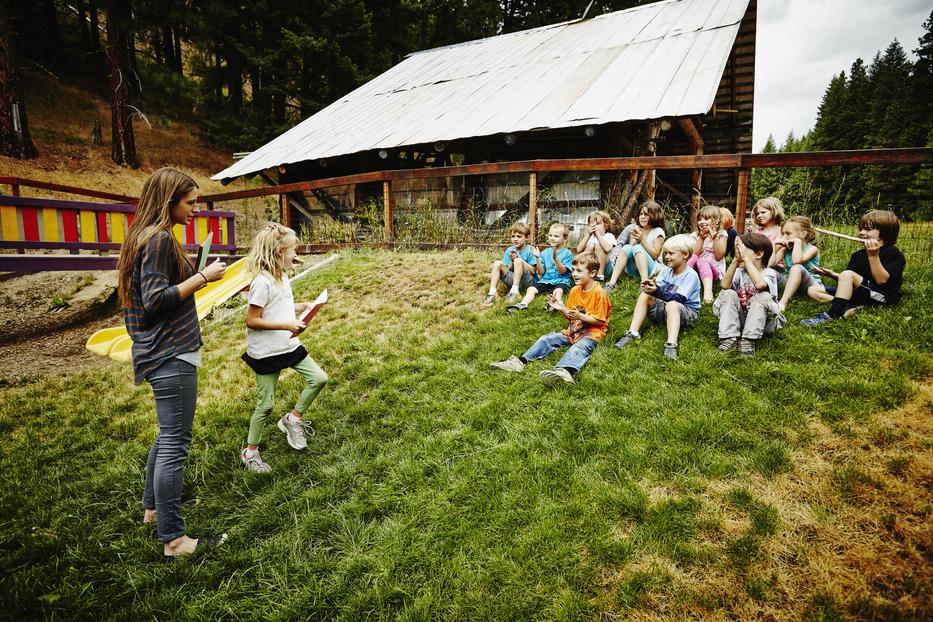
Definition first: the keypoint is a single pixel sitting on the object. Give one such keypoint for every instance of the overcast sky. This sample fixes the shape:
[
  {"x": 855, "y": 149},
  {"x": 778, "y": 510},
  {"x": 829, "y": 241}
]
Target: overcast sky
[{"x": 803, "y": 43}]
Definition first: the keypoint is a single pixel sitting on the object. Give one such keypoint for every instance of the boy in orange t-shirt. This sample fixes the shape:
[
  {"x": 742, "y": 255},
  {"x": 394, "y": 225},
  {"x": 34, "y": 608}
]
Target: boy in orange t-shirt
[{"x": 587, "y": 310}]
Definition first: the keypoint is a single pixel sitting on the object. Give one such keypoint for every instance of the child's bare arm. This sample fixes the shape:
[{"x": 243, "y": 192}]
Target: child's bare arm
[
  {"x": 255, "y": 321},
  {"x": 726, "y": 281},
  {"x": 878, "y": 272},
  {"x": 719, "y": 244}
]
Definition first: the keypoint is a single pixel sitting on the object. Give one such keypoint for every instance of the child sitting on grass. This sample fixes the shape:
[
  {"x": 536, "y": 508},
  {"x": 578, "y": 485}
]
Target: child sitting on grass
[
  {"x": 874, "y": 273},
  {"x": 553, "y": 268},
  {"x": 747, "y": 306},
  {"x": 709, "y": 248},
  {"x": 272, "y": 344},
  {"x": 672, "y": 299},
  {"x": 587, "y": 310},
  {"x": 768, "y": 214},
  {"x": 516, "y": 268},
  {"x": 639, "y": 245},
  {"x": 728, "y": 225},
  {"x": 599, "y": 241},
  {"x": 797, "y": 257}
]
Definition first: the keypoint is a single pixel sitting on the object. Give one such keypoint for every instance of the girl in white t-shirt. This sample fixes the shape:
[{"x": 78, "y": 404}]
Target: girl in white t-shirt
[
  {"x": 598, "y": 240},
  {"x": 639, "y": 245},
  {"x": 272, "y": 343}
]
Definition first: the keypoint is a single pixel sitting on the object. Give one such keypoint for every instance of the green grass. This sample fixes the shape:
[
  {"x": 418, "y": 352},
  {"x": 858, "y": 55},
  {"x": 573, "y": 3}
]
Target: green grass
[{"x": 436, "y": 488}]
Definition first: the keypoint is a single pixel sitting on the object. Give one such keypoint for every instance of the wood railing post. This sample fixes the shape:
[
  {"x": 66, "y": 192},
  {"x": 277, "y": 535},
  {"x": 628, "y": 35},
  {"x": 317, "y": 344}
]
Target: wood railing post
[
  {"x": 533, "y": 204},
  {"x": 388, "y": 204},
  {"x": 283, "y": 210},
  {"x": 741, "y": 200}
]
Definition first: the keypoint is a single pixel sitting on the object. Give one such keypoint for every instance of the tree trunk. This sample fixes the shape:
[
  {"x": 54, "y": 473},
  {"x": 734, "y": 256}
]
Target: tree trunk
[
  {"x": 176, "y": 38},
  {"x": 168, "y": 49},
  {"x": 14, "y": 128},
  {"x": 82, "y": 23},
  {"x": 123, "y": 149},
  {"x": 95, "y": 27},
  {"x": 53, "y": 47}
]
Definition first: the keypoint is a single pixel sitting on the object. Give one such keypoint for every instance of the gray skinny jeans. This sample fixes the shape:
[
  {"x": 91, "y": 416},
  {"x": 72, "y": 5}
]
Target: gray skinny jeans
[{"x": 175, "y": 387}]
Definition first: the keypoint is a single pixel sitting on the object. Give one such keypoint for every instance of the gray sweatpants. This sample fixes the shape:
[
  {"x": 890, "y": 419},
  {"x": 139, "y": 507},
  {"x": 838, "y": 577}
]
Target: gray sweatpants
[{"x": 763, "y": 316}]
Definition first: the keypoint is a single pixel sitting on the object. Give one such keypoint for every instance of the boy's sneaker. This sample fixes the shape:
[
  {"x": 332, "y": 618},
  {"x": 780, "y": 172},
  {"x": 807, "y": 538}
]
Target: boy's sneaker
[
  {"x": 747, "y": 347},
  {"x": 511, "y": 297},
  {"x": 816, "y": 320},
  {"x": 518, "y": 306},
  {"x": 295, "y": 432},
  {"x": 728, "y": 343},
  {"x": 513, "y": 363},
  {"x": 627, "y": 338},
  {"x": 851, "y": 311},
  {"x": 254, "y": 463},
  {"x": 670, "y": 350},
  {"x": 488, "y": 300},
  {"x": 556, "y": 376}
]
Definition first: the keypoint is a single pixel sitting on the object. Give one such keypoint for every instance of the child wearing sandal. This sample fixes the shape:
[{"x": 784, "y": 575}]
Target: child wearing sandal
[
  {"x": 747, "y": 306},
  {"x": 272, "y": 343},
  {"x": 553, "y": 269},
  {"x": 587, "y": 310},
  {"x": 798, "y": 258},
  {"x": 672, "y": 299},
  {"x": 874, "y": 273},
  {"x": 709, "y": 248},
  {"x": 639, "y": 245}
]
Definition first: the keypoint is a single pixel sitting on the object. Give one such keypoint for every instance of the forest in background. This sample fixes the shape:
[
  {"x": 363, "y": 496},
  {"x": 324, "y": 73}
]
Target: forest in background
[
  {"x": 246, "y": 72},
  {"x": 888, "y": 103}
]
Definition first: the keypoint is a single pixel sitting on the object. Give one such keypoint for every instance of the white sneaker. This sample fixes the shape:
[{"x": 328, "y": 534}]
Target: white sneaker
[
  {"x": 254, "y": 463},
  {"x": 513, "y": 363},
  {"x": 556, "y": 376},
  {"x": 295, "y": 432}
]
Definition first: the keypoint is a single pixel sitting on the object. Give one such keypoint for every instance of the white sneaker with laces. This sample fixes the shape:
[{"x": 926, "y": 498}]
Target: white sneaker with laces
[
  {"x": 295, "y": 432},
  {"x": 254, "y": 463},
  {"x": 556, "y": 376},
  {"x": 513, "y": 363}
]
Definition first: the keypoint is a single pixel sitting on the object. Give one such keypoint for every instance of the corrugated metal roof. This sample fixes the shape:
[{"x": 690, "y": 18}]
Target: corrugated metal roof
[{"x": 658, "y": 60}]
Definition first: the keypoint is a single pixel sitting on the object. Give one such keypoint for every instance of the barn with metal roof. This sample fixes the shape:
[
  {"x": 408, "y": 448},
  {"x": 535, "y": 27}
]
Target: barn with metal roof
[{"x": 672, "y": 77}]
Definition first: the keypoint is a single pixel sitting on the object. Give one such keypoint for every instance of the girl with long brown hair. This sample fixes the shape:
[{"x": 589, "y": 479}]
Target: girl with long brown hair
[{"x": 157, "y": 286}]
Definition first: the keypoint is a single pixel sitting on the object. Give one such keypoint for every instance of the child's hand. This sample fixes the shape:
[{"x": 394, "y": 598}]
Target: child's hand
[
  {"x": 649, "y": 286},
  {"x": 555, "y": 302},
  {"x": 535, "y": 251},
  {"x": 600, "y": 229},
  {"x": 748, "y": 256},
  {"x": 214, "y": 271},
  {"x": 872, "y": 246},
  {"x": 825, "y": 272},
  {"x": 295, "y": 326},
  {"x": 636, "y": 233}
]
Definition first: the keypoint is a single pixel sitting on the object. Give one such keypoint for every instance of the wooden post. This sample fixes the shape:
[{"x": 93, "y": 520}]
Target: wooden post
[
  {"x": 388, "y": 204},
  {"x": 654, "y": 130},
  {"x": 533, "y": 204},
  {"x": 14, "y": 190},
  {"x": 741, "y": 200},
  {"x": 697, "y": 145},
  {"x": 283, "y": 210}
]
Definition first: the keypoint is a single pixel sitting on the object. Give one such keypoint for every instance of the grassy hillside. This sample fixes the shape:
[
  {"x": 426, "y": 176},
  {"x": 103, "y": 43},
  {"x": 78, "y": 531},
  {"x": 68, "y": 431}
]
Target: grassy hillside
[
  {"x": 61, "y": 118},
  {"x": 794, "y": 485}
]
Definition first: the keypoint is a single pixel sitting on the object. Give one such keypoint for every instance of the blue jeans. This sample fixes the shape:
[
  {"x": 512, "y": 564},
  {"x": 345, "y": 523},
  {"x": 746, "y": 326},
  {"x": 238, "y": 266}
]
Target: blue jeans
[
  {"x": 175, "y": 387},
  {"x": 574, "y": 358}
]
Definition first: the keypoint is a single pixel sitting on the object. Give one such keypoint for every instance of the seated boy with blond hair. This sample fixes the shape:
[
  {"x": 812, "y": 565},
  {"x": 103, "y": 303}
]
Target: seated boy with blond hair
[
  {"x": 673, "y": 298},
  {"x": 516, "y": 268},
  {"x": 587, "y": 311},
  {"x": 747, "y": 306}
]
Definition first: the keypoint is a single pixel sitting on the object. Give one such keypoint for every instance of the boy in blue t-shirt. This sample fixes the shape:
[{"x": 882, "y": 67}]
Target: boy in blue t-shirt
[
  {"x": 516, "y": 268},
  {"x": 553, "y": 269},
  {"x": 672, "y": 299}
]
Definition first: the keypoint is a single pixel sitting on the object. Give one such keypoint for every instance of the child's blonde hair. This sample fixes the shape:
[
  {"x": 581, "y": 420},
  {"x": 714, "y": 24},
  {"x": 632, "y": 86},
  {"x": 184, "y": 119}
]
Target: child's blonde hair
[
  {"x": 564, "y": 229},
  {"x": 268, "y": 248},
  {"x": 711, "y": 212},
  {"x": 806, "y": 227},
  {"x": 773, "y": 205},
  {"x": 520, "y": 227},
  {"x": 681, "y": 243},
  {"x": 601, "y": 215}
]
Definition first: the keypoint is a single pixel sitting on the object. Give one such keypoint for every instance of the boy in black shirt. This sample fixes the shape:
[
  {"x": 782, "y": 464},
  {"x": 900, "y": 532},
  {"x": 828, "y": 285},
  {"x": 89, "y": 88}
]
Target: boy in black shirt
[{"x": 874, "y": 273}]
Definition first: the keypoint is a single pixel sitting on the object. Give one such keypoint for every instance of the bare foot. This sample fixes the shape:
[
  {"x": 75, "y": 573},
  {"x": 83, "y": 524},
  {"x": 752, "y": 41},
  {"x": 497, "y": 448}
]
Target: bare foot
[
  {"x": 180, "y": 546},
  {"x": 149, "y": 516}
]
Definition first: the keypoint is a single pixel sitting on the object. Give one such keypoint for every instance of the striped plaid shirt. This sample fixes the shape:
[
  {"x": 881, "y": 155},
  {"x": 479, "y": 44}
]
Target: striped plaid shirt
[{"x": 161, "y": 325}]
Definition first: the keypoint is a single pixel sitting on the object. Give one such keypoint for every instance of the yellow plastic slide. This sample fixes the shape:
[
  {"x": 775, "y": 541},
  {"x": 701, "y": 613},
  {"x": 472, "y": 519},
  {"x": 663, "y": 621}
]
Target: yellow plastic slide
[{"x": 115, "y": 343}]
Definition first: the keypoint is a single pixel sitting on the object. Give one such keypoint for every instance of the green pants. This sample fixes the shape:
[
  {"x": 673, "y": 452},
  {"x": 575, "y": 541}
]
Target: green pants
[{"x": 315, "y": 379}]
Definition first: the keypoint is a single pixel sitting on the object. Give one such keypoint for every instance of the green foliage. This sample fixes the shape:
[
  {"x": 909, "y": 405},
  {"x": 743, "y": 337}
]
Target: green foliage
[{"x": 436, "y": 488}]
